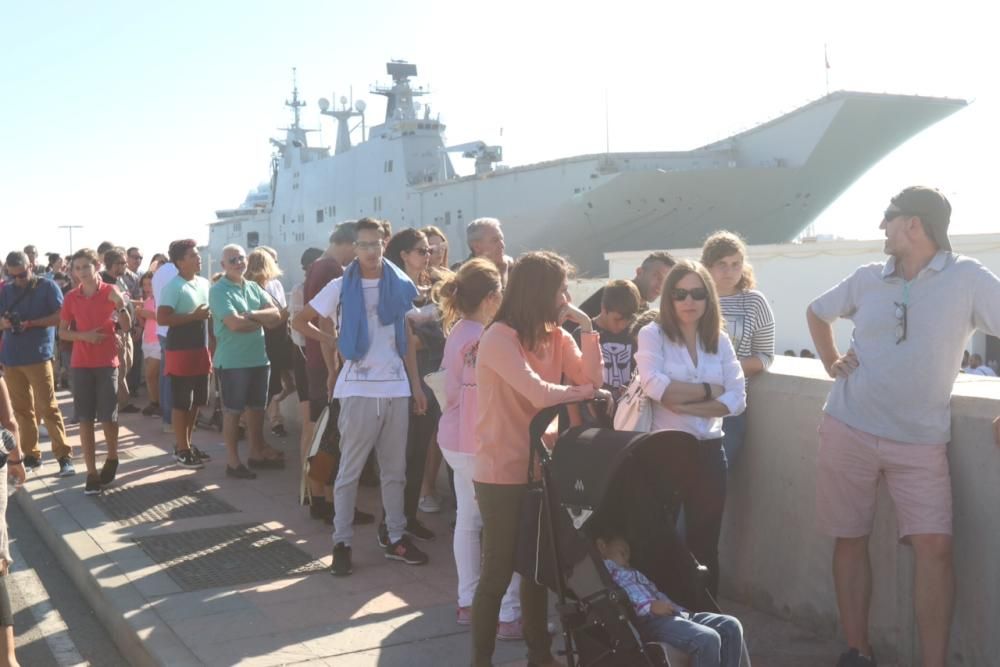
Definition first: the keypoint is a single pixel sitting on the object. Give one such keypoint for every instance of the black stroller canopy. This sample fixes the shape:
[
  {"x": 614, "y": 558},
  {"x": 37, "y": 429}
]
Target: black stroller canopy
[{"x": 586, "y": 462}]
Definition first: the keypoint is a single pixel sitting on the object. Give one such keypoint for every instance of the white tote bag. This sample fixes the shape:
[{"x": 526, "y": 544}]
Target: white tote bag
[{"x": 635, "y": 410}]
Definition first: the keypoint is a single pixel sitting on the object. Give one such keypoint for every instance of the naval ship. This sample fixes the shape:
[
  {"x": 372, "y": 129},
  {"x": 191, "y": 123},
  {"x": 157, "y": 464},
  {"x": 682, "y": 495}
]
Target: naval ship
[{"x": 767, "y": 183}]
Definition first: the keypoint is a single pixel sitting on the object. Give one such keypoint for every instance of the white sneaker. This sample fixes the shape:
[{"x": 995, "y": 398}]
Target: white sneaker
[
  {"x": 429, "y": 505},
  {"x": 168, "y": 428}
]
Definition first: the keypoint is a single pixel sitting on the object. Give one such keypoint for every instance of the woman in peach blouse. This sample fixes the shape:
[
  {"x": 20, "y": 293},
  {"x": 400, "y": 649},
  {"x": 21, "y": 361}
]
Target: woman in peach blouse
[{"x": 523, "y": 359}]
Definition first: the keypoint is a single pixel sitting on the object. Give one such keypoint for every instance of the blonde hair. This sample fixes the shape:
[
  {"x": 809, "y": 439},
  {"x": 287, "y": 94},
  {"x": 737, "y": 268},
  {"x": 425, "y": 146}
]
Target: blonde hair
[
  {"x": 461, "y": 293},
  {"x": 723, "y": 244},
  {"x": 261, "y": 266},
  {"x": 431, "y": 230}
]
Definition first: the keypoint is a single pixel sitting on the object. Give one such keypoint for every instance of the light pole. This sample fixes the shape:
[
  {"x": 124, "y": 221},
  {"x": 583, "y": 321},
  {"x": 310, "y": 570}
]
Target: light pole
[{"x": 71, "y": 228}]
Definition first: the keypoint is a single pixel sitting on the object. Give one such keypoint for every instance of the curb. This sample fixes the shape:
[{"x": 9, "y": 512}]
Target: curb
[{"x": 125, "y": 623}]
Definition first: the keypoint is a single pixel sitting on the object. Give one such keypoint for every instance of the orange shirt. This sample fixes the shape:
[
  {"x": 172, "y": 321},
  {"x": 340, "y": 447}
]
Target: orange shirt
[{"x": 514, "y": 384}]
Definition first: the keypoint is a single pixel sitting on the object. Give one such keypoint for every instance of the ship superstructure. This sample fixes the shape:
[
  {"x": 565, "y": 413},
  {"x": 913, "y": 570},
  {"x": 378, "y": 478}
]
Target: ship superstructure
[{"x": 767, "y": 183}]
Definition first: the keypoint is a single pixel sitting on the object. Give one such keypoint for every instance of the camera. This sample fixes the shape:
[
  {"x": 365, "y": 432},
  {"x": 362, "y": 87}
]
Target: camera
[{"x": 16, "y": 323}]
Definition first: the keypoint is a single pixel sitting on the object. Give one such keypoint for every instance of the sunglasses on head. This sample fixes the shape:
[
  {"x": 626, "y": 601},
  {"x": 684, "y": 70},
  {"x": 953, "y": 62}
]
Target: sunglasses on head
[{"x": 698, "y": 294}]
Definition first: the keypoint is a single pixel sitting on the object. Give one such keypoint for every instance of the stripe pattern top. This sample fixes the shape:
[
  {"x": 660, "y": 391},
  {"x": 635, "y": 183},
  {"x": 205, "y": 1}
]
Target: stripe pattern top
[{"x": 750, "y": 324}]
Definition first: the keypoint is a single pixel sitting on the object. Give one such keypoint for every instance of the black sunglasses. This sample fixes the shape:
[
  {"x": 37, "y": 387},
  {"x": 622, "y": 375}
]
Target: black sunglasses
[
  {"x": 423, "y": 252},
  {"x": 893, "y": 213},
  {"x": 698, "y": 294},
  {"x": 900, "y": 322}
]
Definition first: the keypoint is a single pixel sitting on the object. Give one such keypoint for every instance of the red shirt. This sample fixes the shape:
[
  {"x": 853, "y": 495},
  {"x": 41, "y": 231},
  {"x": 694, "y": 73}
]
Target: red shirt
[
  {"x": 92, "y": 312},
  {"x": 319, "y": 273}
]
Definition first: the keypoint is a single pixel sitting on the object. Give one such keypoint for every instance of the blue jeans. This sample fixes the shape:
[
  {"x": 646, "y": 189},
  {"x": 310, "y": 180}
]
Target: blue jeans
[
  {"x": 735, "y": 431},
  {"x": 711, "y": 640},
  {"x": 243, "y": 388},
  {"x": 166, "y": 393}
]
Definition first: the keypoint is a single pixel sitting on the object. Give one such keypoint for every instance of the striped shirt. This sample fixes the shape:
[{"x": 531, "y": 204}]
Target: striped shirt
[{"x": 750, "y": 324}]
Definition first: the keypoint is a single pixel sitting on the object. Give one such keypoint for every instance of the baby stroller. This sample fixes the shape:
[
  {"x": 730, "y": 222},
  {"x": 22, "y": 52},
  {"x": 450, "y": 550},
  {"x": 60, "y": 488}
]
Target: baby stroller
[{"x": 598, "y": 477}]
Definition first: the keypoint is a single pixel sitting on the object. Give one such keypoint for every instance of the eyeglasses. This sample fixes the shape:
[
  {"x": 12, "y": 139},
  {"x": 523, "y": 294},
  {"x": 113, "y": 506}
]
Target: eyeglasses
[
  {"x": 698, "y": 294},
  {"x": 18, "y": 276},
  {"x": 368, "y": 246},
  {"x": 238, "y": 259},
  {"x": 423, "y": 252},
  {"x": 901, "y": 309}
]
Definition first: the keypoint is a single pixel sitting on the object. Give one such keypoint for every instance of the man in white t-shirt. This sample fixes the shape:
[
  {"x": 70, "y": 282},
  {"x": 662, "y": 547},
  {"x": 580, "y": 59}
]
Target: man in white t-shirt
[
  {"x": 163, "y": 275},
  {"x": 369, "y": 305}
]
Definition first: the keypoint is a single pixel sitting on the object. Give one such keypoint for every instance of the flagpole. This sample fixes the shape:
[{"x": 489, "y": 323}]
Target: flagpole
[{"x": 826, "y": 61}]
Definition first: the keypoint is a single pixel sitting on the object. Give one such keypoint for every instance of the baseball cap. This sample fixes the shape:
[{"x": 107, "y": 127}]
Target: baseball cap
[{"x": 933, "y": 209}]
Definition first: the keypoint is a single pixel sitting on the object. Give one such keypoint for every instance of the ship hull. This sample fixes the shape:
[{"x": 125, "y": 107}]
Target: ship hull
[{"x": 767, "y": 184}]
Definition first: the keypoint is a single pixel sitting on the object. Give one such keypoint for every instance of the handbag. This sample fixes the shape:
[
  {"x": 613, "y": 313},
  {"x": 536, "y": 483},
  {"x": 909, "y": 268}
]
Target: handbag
[
  {"x": 635, "y": 409},
  {"x": 435, "y": 382}
]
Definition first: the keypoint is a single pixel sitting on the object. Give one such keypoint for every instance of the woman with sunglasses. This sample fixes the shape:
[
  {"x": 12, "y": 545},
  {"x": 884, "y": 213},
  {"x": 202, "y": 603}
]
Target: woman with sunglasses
[
  {"x": 692, "y": 376},
  {"x": 408, "y": 249}
]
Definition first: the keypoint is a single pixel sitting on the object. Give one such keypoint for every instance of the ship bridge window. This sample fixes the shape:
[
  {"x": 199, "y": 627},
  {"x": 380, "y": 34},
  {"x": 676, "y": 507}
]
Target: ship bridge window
[
  {"x": 319, "y": 215},
  {"x": 253, "y": 239},
  {"x": 237, "y": 226},
  {"x": 447, "y": 218}
]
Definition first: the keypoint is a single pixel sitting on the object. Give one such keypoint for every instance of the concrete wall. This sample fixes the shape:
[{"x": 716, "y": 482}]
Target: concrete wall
[
  {"x": 774, "y": 559},
  {"x": 792, "y": 274}
]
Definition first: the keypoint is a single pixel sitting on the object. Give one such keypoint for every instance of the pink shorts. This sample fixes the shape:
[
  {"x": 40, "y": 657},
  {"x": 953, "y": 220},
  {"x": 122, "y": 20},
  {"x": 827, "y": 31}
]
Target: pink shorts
[{"x": 849, "y": 464}]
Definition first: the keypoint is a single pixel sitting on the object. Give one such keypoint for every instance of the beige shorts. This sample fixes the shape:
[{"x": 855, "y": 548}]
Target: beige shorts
[{"x": 849, "y": 464}]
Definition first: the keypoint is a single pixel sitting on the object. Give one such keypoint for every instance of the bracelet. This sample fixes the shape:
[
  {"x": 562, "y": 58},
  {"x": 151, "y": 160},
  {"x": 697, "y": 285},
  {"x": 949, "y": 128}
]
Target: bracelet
[{"x": 708, "y": 390}]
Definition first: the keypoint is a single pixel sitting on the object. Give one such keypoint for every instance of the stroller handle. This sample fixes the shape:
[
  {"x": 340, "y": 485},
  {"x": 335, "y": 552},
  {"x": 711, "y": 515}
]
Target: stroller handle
[{"x": 541, "y": 421}]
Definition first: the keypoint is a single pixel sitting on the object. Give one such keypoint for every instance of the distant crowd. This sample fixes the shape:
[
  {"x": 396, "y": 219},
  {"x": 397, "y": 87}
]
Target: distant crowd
[{"x": 402, "y": 360}]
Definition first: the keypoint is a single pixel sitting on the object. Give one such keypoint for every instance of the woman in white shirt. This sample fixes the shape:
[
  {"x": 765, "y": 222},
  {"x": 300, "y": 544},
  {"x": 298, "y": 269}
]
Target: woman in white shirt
[{"x": 690, "y": 372}]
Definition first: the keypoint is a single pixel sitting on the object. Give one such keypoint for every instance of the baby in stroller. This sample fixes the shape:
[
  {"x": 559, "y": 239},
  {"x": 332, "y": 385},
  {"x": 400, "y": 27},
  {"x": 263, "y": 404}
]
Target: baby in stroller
[{"x": 712, "y": 640}]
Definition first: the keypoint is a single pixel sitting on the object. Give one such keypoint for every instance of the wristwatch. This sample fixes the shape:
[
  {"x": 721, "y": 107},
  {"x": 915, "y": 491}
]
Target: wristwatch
[{"x": 708, "y": 390}]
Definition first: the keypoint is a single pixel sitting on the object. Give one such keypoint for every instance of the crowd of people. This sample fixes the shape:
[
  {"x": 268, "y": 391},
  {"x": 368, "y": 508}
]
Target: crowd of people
[{"x": 380, "y": 317}]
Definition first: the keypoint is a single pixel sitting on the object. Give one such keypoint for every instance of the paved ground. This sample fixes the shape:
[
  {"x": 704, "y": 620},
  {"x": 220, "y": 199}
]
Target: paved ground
[
  {"x": 55, "y": 626},
  {"x": 220, "y": 571}
]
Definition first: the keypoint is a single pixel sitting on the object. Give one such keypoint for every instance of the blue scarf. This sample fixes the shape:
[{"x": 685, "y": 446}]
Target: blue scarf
[{"x": 396, "y": 293}]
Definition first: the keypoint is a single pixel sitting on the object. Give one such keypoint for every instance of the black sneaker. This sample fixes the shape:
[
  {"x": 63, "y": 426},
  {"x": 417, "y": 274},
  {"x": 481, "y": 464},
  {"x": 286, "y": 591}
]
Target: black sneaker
[
  {"x": 129, "y": 409},
  {"x": 66, "y": 468},
  {"x": 418, "y": 530},
  {"x": 853, "y": 658},
  {"x": 151, "y": 410},
  {"x": 32, "y": 462},
  {"x": 109, "y": 471},
  {"x": 187, "y": 459},
  {"x": 320, "y": 509},
  {"x": 93, "y": 486},
  {"x": 200, "y": 455},
  {"x": 341, "y": 566},
  {"x": 405, "y": 551},
  {"x": 240, "y": 472},
  {"x": 382, "y": 535}
]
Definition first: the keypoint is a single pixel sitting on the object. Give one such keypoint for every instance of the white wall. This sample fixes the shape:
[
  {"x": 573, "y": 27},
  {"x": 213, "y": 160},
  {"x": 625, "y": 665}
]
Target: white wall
[
  {"x": 793, "y": 274},
  {"x": 775, "y": 559}
]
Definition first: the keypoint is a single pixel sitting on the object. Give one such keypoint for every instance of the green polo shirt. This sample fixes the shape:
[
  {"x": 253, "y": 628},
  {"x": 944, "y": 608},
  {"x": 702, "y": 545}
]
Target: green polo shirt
[{"x": 237, "y": 349}]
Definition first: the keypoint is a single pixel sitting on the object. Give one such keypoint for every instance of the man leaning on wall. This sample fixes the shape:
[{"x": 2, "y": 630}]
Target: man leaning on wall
[{"x": 889, "y": 413}]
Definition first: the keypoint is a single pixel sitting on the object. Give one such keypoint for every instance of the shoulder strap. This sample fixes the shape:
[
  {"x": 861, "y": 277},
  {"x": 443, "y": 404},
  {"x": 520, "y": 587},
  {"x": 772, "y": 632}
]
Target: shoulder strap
[{"x": 31, "y": 286}]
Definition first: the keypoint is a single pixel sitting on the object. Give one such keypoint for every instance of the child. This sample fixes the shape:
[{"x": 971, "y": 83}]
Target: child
[
  {"x": 712, "y": 640},
  {"x": 620, "y": 303}
]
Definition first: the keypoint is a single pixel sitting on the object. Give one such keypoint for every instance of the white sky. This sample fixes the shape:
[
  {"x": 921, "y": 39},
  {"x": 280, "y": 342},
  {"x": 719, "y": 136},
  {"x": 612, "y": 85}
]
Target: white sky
[{"x": 138, "y": 122}]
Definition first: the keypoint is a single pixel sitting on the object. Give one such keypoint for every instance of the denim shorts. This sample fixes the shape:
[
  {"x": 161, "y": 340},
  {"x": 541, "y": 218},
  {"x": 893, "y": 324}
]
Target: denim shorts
[
  {"x": 95, "y": 394},
  {"x": 243, "y": 388}
]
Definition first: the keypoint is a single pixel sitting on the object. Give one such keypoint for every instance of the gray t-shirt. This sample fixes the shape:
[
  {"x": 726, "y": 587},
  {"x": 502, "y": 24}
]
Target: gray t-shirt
[{"x": 902, "y": 391}]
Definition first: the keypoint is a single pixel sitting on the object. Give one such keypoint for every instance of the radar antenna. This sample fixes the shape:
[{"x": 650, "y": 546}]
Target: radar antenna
[{"x": 295, "y": 103}]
